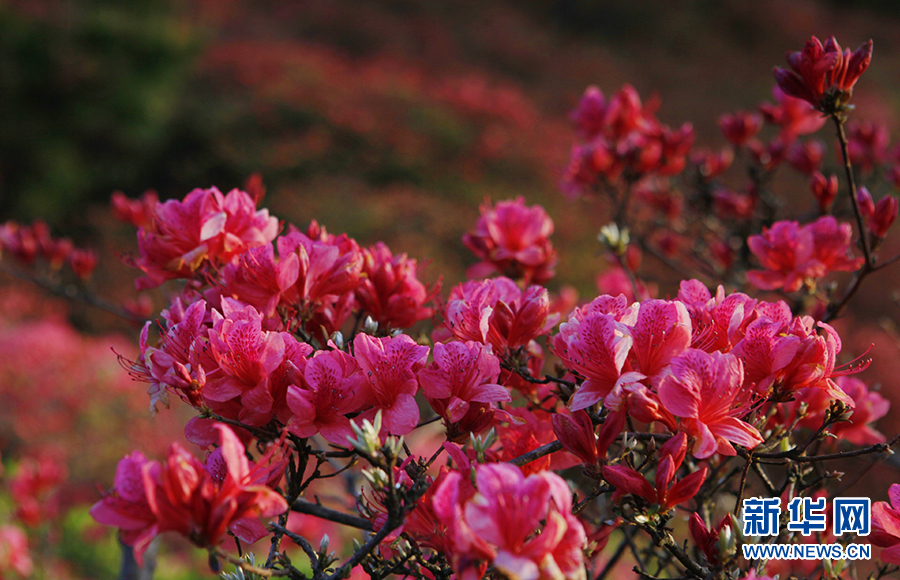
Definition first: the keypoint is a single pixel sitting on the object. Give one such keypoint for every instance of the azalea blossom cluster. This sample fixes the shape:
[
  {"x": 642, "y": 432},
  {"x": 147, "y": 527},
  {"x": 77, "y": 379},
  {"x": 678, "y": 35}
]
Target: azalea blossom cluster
[
  {"x": 200, "y": 500},
  {"x": 625, "y": 142},
  {"x": 698, "y": 365},
  {"x": 32, "y": 244},
  {"x": 312, "y": 353}
]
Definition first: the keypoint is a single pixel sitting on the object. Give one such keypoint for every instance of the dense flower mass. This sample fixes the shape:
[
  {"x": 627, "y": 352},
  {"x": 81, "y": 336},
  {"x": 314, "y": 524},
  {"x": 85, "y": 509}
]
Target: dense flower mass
[
  {"x": 792, "y": 254},
  {"x": 522, "y": 526},
  {"x": 451, "y": 437},
  {"x": 625, "y": 141}
]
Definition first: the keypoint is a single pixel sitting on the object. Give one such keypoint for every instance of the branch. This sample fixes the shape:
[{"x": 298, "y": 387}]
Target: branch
[
  {"x": 71, "y": 292},
  {"x": 536, "y": 454},
  {"x": 299, "y": 540},
  {"x": 851, "y": 182},
  {"x": 664, "y": 538},
  {"x": 313, "y": 509},
  {"x": 248, "y": 567}
]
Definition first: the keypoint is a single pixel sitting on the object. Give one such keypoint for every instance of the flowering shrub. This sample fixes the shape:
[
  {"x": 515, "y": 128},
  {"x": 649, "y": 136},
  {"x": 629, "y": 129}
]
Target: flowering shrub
[{"x": 304, "y": 356}]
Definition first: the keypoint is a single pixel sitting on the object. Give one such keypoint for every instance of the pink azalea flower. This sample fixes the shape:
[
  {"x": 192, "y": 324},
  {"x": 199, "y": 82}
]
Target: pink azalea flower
[
  {"x": 179, "y": 361},
  {"x": 886, "y": 526},
  {"x": 833, "y": 242},
  {"x": 806, "y": 157},
  {"x": 246, "y": 356},
  {"x": 616, "y": 306},
  {"x": 766, "y": 350},
  {"x": 868, "y": 407},
  {"x": 202, "y": 503},
  {"x": 389, "y": 291},
  {"x": 790, "y": 253},
  {"x": 496, "y": 312},
  {"x": 126, "y": 506},
  {"x": 522, "y": 526},
  {"x": 705, "y": 390},
  {"x": 390, "y": 366},
  {"x": 205, "y": 226},
  {"x": 255, "y": 278},
  {"x": 513, "y": 240},
  {"x": 813, "y": 365},
  {"x": 332, "y": 381},
  {"x": 717, "y": 323},
  {"x": 795, "y": 116},
  {"x": 137, "y": 212},
  {"x": 327, "y": 267},
  {"x": 461, "y": 374},
  {"x": 784, "y": 251},
  {"x": 661, "y": 332},
  {"x": 590, "y": 116},
  {"x": 35, "y": 489},
  {"x": 595, "y": 348},
  {"x": 867, "y": 145}
]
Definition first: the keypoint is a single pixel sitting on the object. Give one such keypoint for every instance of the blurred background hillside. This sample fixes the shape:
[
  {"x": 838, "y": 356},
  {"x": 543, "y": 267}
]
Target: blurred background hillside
[
  {"x": 410, "y": 112},
  {"x": 390, "y": 120}
]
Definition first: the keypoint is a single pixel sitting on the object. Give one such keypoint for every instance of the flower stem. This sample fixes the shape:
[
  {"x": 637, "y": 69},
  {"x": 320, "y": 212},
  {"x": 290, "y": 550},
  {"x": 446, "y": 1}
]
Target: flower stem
[{"x": 851, "y": 182}]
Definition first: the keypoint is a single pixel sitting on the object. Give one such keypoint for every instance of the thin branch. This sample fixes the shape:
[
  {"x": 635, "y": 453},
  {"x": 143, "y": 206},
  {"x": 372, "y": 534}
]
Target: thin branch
[
  {"x": 537, "y": 453},
  {"x": 312, "y": 509},
  {"x": 248, "y": 567},
  {"x": 851, "y": 182},
  {"x": 71, "y": 292}
]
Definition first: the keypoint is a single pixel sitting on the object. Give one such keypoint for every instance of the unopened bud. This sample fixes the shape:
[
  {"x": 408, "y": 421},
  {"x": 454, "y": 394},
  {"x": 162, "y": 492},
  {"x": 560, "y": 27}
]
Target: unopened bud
[{"x": 614, "y": 238}]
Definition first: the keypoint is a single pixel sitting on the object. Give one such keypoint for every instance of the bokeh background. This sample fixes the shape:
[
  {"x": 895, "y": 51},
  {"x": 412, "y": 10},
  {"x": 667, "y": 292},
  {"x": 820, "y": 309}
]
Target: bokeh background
[{"x": 390, "y": 120}]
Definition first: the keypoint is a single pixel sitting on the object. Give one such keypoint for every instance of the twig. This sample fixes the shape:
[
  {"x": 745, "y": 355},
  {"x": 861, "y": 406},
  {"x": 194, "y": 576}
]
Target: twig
[
  {"x": 70, "y": 292},
  {"x": 851, "y": 182},
  {"x": 312, "y": 509},
  {"x": 299, "y": 540},
  {"x": 248, "y": 567},
  {"x": 537, "y": 453},
  {"x": 836, "y": 309}
]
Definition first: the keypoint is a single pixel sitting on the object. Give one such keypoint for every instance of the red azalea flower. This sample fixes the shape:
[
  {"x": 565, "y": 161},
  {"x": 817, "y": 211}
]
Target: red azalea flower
[
  {"x": 824, "y": 189},
  {"x": 706, "y": 391},
  {"x": 462, "y": 374},
  {"x": 740, "y": 127},
  {"x": 389, "y": 290},
  {"x": 824, "y": 75},
  {"x": 879, "y": 218},
  {"x": 522, "y": 526},
  {"x": 513, "y": 240},
  {"x": 886, "y": 526},
  {"x": 664, "y": 493},
  {"x": 390, "y": 365}
]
